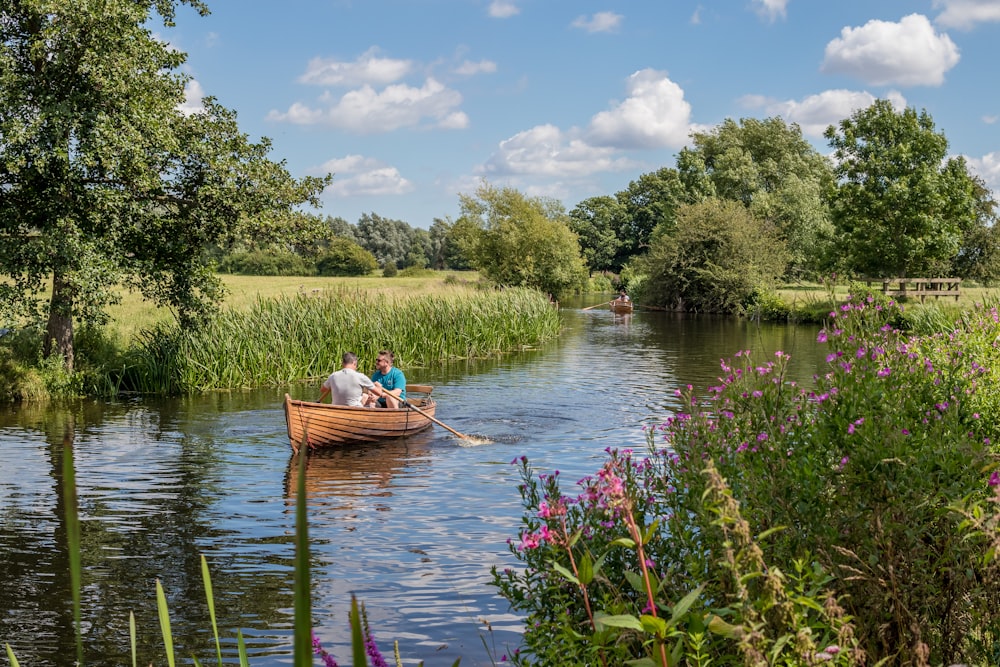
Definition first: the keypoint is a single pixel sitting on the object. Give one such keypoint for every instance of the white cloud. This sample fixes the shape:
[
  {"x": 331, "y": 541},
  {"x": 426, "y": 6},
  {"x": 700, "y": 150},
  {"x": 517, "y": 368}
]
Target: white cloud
[
  {"x": 599, "y": 22},
  {"x": 355, "y": 175},
  {"x": 988, "y": 168},
  {"x": 469, "y": 68},
  {"x": 502, "y": 9},
  {"x": 654, "y": 115},
  {"x": 547, "y": 151},
  {"x": 368, "y": 111},
  {"x": 989, "y": 120},
  {"x": 908, "y": 53},
  {"x": 193, "y": 94},
  {"x": 817, "y": 112},
  {"x": 771, "y": 9},
  {"x": 369, "y": 68},
  {"x": 964, "y": 14},
  {"x": 696, "y": 17}
]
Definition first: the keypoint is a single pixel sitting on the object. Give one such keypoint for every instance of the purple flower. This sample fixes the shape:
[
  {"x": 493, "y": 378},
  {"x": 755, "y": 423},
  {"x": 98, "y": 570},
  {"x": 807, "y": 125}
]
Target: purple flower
[{"x": 995, "y": 478}]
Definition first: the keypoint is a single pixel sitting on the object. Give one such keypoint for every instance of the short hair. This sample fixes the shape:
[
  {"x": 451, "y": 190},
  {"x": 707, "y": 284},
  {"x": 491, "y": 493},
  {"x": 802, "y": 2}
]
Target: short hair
[
  {"x": 388, "y": 353},
  {"x": 349, "y": 358}
]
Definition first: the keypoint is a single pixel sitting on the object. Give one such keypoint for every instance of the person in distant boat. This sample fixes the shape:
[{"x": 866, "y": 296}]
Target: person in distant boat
[
  {"x": 623, "y": 297},
  {"x": 390, "y": 379},
  {"x": 347, "y": 385}
]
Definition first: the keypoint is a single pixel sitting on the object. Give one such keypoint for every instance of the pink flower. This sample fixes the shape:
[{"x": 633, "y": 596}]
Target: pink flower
[{"x": 995, "y": 478}]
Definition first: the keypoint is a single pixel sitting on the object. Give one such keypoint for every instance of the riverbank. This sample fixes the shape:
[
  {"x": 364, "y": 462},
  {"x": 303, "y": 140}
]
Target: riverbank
[{"x": 274, "y": 331}]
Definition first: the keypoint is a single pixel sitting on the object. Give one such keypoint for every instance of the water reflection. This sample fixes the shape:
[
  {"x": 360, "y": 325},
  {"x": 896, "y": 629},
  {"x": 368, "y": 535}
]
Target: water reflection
[{"x": 412, "y": 527}]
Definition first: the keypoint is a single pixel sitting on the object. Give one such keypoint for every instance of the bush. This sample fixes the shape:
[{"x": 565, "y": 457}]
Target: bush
[
  {"x": 390, "y": 270},
  {"x": 345, "y": 258},
  {"x": 266, "y": 263},
  {"x": 790, "y": 511},
  {"x": 715, "y": 258}
]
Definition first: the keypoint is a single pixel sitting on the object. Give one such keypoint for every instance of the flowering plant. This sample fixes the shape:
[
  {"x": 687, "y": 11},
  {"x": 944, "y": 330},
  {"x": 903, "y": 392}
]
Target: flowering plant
[{"x": 773, "y": 522}]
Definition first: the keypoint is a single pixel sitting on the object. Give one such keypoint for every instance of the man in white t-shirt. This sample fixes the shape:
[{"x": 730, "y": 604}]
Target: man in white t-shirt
[{"x": 347, "y": 385}]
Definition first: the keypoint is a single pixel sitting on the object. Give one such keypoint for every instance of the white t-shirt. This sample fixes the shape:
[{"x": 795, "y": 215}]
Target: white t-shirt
[{"x": 345, "y": 386}]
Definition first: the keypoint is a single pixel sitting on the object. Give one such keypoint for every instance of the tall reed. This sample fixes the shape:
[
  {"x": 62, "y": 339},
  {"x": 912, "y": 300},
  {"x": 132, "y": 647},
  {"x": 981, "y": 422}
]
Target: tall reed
[{"x": 277, "y": 341}]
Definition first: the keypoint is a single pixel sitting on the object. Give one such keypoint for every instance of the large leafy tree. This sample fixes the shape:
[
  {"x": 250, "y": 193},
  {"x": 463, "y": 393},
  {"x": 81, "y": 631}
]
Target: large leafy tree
[
  {"x": 900, "y": 208},
  {"x": 596, "y": 222},
  {"x": 772, "y": 170},
  {"x": 520, "y": 241},
  {"x": 104, "y": 181},
  {"x": 649, "y": 201}
]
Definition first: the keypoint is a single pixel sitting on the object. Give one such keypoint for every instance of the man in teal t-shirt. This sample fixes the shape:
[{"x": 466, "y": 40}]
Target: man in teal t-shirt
[{"x": 391, "y": 379}]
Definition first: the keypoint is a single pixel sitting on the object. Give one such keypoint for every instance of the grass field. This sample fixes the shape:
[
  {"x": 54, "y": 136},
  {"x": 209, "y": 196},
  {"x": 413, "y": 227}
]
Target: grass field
[{"x": 134, "y": 314}]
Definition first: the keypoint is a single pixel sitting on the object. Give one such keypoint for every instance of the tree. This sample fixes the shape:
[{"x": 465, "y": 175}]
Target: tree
[
  {"x": 772, "y": 170},
  {"x": 714, "y": 259},
  {"x": 389, "y": 240},
  {"x": 595, "y": 221},
  {"x": 520, "y": 241},
  {"x": 650, "y": 201},
  {"x": 899, "y": 207},
  {"x": 978, "y": 257},
  {"x": 104, "y": 181}
]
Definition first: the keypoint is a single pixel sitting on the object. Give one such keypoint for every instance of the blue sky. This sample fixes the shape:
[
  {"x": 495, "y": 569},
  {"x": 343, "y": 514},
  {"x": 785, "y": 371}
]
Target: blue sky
[{"x": 410, "y": 102}]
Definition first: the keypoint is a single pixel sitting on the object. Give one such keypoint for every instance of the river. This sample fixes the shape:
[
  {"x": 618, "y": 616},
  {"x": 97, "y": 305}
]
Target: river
[{"x": 411, "y": 527}]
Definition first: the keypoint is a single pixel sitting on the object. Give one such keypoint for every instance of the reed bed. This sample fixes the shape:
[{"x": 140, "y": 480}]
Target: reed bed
[{"x": 289, "y": 338}]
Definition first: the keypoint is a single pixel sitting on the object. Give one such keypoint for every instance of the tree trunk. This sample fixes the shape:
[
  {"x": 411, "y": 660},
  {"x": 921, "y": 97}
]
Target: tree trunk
[{"x": 59, "y": 332}]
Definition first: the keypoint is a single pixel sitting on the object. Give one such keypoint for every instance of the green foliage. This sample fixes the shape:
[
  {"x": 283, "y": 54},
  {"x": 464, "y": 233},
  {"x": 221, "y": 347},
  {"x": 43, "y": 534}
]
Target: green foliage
[
  {"x": 390, "y": 270},
  {"x": 772, "y": 170},
  {"x": 900, "y": 207},
  {"x": 767, "y": 306},
  {"x": 597, "y": 222},
  {"x": 392, "y": 240},
  {"x": 266, "y": 263},
  {"x": 520, "y": 241},
  {"x": 105, "y": 180},
  {"x": 649, "y": 202},
  {"x": 715, "y": 259},
  {"x": 284, "y": 340},
  {"x": 345, "y": 258},
  {"x": 854, "y": 514}
]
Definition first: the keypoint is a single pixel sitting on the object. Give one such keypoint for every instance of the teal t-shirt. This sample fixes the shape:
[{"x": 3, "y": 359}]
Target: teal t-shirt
[{"x": 394, "y": 379}]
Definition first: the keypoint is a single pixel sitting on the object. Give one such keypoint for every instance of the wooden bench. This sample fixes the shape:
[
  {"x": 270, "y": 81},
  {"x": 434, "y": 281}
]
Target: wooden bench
[{"x": 919, "y": 287}]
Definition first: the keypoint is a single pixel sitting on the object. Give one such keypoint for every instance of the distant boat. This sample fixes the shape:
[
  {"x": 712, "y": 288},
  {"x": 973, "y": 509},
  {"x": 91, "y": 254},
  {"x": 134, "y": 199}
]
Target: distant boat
[
  {"x": 325, "y": 425},
  {"x": 621, "y": 306}
]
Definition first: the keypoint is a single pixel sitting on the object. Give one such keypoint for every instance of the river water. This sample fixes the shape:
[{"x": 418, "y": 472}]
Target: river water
[{"x": 411, "y": 527}]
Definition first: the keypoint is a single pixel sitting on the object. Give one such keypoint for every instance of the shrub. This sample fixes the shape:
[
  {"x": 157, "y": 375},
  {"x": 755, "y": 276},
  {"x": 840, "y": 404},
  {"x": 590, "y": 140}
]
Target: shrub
[
  {"x": 345, "y": 258},
  {"x": 266, "y": 263},
  {"x": 389, "y": 270}
]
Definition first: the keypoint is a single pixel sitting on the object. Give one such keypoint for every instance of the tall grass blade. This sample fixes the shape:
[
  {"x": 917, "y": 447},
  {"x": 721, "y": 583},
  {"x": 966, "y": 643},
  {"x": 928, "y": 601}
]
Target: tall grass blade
[
  {"x": 303, "y": 653},
  {"x": 357, "y": 636},
  {"x": 72, "y": 536},
  {"x": 211, "y": 607},
  {"x": 241, "y": 647},
  {"x": 10, "y": 656},
  {"x": 161, "y": 608},
  {"x": 131, "y": 636}
]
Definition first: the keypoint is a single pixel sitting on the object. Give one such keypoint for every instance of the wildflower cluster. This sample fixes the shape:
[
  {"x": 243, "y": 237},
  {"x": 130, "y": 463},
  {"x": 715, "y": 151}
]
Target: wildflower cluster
[{"x": 816, "y": 523}]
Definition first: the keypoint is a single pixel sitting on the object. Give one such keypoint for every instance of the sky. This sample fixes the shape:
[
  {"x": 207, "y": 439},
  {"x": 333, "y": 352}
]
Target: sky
[{"x": 411, "y": 102}]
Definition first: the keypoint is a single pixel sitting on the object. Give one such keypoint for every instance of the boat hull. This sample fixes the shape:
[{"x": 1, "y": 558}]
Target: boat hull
[
  {"x": 323, "y": 425},
  {"x": 621, "y": 307}
]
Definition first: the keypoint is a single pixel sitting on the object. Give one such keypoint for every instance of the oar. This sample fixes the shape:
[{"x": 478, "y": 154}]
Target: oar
[
  {"x": 600, "y": 304},
  {"x": 439, "y": 423}
]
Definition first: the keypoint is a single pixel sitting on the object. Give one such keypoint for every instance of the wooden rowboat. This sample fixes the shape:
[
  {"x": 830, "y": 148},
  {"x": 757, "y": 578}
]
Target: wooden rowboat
[
  {"x": 325, "y": 425},
  {"x": 621, "y": 307}
]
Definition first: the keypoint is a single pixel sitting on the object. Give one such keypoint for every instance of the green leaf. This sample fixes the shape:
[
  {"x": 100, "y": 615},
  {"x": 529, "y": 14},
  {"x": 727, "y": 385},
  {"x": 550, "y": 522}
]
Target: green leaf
[
  {"x": 623, "y": 542},
  {"x": 654, "y": 625},
  {"x": 808, "y": 602},
  {"x": 720, "y": 627},
  {"x": 161, "y": 608},
  {"x": 357, "y": 635},
  {"x": 618, "y": 621},
  {"x": 635, "y": 580},
  {"x": 646, "y": 536},
  {"x": 10, "y": 656},
  {"x": 241, "y": 647},
  {"x": 778, "y": 645},
  {"x": 564, "y": 572},
  {"x": 210, "y": 598},
  {"x": 642, "y": 662},
  {"x": 681, "y": 608},
  {"x": 586, "y": 569},
  {"x": 770, "y": 531}
]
